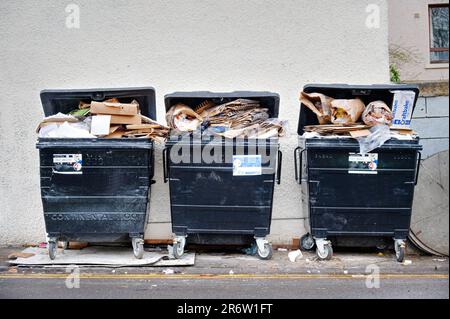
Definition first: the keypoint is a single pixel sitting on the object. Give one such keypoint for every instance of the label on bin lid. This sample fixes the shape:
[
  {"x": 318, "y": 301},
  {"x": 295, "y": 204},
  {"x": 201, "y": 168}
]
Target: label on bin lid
[
  {"x": 363, "y": 163},
  {"x": 247, "y": 165},
  {"x": 67, "y": 163}
]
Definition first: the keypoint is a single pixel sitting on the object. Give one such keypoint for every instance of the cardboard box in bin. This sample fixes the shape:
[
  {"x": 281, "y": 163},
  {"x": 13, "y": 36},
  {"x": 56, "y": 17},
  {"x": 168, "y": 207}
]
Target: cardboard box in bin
[
  {"x": 121, "y": 113},
  {"x": 114, "y": 108},
  {"x": 126, "y": 119}
]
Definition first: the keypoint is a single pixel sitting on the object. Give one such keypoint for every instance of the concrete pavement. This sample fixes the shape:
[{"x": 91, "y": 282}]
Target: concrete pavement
[{"x": 361, "y": 274}]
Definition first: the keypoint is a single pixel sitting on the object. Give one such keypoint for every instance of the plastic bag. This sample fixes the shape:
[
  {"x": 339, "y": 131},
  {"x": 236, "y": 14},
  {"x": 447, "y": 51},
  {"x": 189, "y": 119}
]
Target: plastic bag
[{"x": 379, "y": 134}]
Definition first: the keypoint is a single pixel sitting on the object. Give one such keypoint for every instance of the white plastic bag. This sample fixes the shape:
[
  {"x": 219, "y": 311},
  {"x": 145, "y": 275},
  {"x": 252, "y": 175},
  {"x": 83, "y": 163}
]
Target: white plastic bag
[{"x": 379, "y": 134}]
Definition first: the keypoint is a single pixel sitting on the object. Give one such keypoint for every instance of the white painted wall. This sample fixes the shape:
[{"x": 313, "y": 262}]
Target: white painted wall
[{"x": 172, "y": 45}]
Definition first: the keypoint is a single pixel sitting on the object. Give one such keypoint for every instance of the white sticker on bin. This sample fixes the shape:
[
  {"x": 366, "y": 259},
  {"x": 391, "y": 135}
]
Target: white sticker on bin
[
  {"x": 363, "y": 163},
  {"x": 68, "y": 163},
  {"x": 247, "y": 165}
]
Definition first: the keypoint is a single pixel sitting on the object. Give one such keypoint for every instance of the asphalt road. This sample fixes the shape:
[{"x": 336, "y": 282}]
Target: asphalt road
[{"x": 243, "y": 286}]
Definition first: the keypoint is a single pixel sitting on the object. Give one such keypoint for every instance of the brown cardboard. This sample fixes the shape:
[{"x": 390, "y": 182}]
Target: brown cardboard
[
  {"x": 114, "y": 128},
  {"x": 404, "y": 131},
  {"x": 114, "y": 108},
  {"x": 360, "y": 133},
  {"x": 126, "y": 119},
  {"x": 143, "y": 126},
  {"x": 116, "y": 134}
]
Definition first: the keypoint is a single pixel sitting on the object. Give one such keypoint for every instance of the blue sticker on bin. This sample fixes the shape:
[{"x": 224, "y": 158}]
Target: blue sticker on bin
[{"x": 247, "y": 165}]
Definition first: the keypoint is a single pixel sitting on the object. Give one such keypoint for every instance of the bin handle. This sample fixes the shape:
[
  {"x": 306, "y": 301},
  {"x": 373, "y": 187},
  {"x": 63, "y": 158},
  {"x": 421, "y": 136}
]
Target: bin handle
[
  {"x": 298, "y": 159},
  {"x": 419, "y": 159},
  {"x": 165, "y": 170},
  {"x": 296, "y": 162},
  {"x": 66, "y": 173},
  {"x": 279, "y": 165}
]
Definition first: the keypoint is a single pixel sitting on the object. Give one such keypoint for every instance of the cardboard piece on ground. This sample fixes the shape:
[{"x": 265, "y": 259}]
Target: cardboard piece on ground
[
  {"x": 360, "y": 133},
  {"x": 101, "y": 256},
  {"x": 100, "y": 125},
  {"x": 77, "y": 245},
  {"x": 20, "y": 255},
  {"x": 114, "y": 108},
  {"x": 126, "y": 119}
]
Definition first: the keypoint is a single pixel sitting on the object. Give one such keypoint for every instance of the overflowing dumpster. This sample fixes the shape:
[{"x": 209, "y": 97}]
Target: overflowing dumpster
[
  {"x": 352, "y": 194},
  {"x": 96, "y": 189},
  {"x": 221, "y": 189}
]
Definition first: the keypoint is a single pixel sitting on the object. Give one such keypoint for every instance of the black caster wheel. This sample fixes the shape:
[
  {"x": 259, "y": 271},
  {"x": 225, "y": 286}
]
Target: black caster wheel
[{"x": 307, "y": 242}]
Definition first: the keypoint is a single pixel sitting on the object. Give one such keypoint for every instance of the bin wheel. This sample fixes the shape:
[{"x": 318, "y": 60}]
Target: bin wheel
[
  {"x": 267, "y": 253},
  {"x": 52, "y": 250},
  {"x": 138, "y": 248},
  {"x": 307, "y": 242},
  {"x": 327, "y": 252},
  {"x": 400, "y": 252},
  {"x": 178, "y": 250}
]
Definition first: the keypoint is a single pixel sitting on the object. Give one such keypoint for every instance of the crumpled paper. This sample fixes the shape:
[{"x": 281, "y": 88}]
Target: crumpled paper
[
  {"x": 320, "y": 104},
  {"x": 346, "y": 111},
  {"x": 377, "y": 113}
]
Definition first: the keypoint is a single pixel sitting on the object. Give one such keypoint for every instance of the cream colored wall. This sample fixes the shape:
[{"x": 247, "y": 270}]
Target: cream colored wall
[
  {"x": 409, "y": 29},
  {"x": 220, "y": 45}
]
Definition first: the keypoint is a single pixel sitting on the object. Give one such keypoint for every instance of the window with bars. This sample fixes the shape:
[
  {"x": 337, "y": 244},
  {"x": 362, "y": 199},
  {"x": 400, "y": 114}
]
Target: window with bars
[{"x": 438, "y": 33}]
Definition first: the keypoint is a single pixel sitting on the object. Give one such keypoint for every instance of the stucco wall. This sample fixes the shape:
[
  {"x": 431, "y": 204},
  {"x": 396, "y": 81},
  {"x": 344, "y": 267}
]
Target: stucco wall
[
  {"x": 409, "y": 32},
  {"x": 430, "y": 120},
  {"x": 172, "y": 45}
]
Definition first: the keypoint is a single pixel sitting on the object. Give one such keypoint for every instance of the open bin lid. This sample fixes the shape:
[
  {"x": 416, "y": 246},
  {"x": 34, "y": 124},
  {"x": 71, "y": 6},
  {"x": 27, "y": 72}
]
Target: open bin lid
[
  {"x": 267, "y": 100},
  {"x": 64, "y": 101},
  {"x": 367, "y": 93}
]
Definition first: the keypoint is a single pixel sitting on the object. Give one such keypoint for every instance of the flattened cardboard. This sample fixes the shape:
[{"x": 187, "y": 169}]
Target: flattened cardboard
[
  {"x": 143, "y": 126},
  {"x": 360, "y": 133},
  {"x": 116, "y": 134},
  {"x": 126, "y": 119},
  {"x": 114, "y": 108},
  {"x": 114, "y": 128}
]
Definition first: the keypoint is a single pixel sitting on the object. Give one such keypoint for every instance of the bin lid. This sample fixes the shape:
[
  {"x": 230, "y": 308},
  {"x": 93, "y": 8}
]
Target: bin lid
[
  {"x": 367, "y": 93},
  {"x": 267, "y": 99},
  {"x": 64, "y": 101}
]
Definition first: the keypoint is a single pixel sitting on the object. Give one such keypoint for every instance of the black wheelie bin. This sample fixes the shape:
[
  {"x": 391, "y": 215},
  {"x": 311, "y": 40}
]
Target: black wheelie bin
[
  {"x": 95, "y": 189},
  {"x": 212, "y": 201},
  {"x": 358, "y": 204}
]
